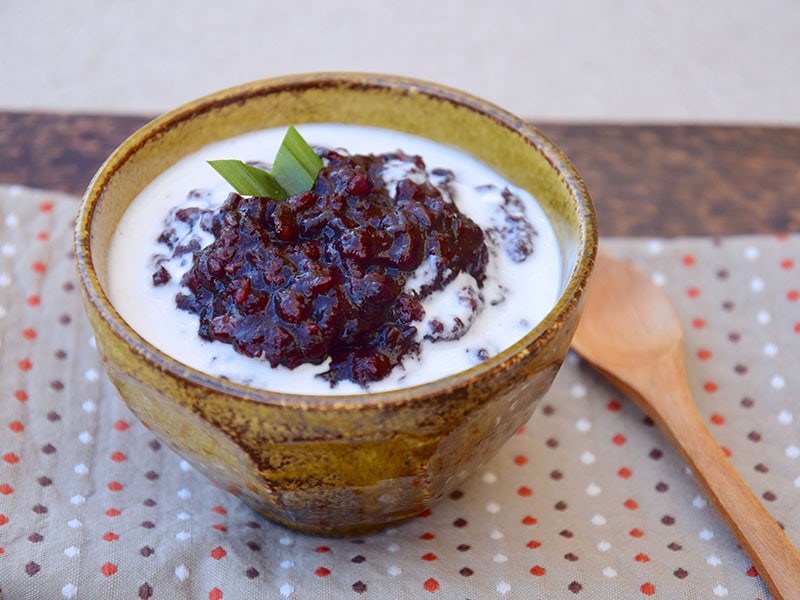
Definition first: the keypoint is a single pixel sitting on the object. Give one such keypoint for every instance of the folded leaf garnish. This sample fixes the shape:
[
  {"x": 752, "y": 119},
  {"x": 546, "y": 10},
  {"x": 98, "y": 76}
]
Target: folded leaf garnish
[{"x": 294, "y": 171}]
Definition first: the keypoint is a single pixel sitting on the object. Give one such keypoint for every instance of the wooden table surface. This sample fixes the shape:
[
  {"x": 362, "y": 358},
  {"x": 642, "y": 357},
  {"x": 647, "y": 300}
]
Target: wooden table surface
[{"x": 646, "y": 180}]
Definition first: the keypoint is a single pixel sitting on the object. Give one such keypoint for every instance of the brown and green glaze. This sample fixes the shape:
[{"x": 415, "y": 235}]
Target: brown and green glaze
[{"x": 354, "y": 464}]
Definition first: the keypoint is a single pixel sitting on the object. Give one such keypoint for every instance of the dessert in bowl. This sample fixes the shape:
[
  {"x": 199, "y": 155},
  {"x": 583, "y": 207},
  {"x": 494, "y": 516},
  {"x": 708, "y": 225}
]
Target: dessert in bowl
[{"x": 347, "y": 432}]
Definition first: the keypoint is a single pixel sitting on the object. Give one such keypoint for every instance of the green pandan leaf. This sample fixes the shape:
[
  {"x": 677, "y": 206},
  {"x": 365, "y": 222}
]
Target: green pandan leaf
[{"x": 294, "y": 172}]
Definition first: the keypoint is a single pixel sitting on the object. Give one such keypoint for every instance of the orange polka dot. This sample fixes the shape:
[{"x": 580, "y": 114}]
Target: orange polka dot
[
  {"x": 631, "y": 504},
  {"x": 693, "y": 292},
  {"x": 113, "y": 512},
  {"x": 704, "y": 354},
  {"x": 118, "y": 457},
  {"x": 431, "y": 585},
  {"x": 787, "y": 263},
  {"x": 215, "y": 594},
  {"x": 688, "y": 260},
  {"x": 29, "y": 334},
  {"x": 529, "y": 520},
  {"x": 115, "y": 486},
  {"x": 33, "y": 300},
  {"x": 710, "y": 387},
  {"x": 6, "y": 489},
  {"x": 698, "y": 323},
  {"x": 520, "y": 460},
  {"x": 619, "y": 439},
  {"x": 25, "y": 365},
  {"x": 717, "y": 419},
  {"x": 108, "y": 569},
  {"x": 46, "y": 207},
  {"x": 110, "y": 536},
  {"x": 322, "y": 572},
  {"x": 636, "y": 533},
  {"x": 121, "y": 425},
  {"x": 538, "y": 571},
  {"x": 39, "y": 267},
  {"x": 642, "y": 558},
  {"x": 11, "y": 458},
  {"x": 793, "y": 295},
  {"x": 218, "y": 553},
  {"x": 648, "y": 589},
  {"x": 430, "y": 557},
  {"x": 22, "y": 395},
  {"x": 525, "y": 491},
  {"x": 533, "y": 544},
  {"x": 16, "y": 426},
  {"x": 625, "y": 472}
]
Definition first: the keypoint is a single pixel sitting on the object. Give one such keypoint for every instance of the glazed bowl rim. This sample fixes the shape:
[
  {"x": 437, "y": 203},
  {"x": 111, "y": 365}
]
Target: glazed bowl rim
[{"x": 548, "y": 326}]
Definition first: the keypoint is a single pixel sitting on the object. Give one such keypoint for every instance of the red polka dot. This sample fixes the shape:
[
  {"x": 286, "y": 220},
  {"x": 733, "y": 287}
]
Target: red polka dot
[
  {"x": 16, "y": 426},
  {"x": 6, "y": 489},
  {"x": 431, "y": 585},
  {"x": 39, "y": 267},
  {"x": 25, "y": 365},
  {"x": 642, "y": 558},
  {"x": 797, "y": 327},
  {"x": 219, "y": 527},
  {"x": 115, "y": 486},
  {"x": 619, "y": 439},
  {"x": 118, "y": 457},
  {"x": 636, "y": 533},
  {"x": 46, "y": 207},
  {"x": 625, "y": 472},
  {"x": 529, "y": 520},
  {"x": 648, "y": 589},
  {"x": 215, "y": 594},
  {"x": 538, "y": 571},
  {"x": 793, "y": 295},
  {"x": 110, "y": 537},
  {"x": 22, "y": 395},
  {"x": 108, "y": 569},
  {"x": 787, "y": 264},
  {"x": 29, "y": 333},
  {"x": 525, "y": 491},
  {"x": 113, "y": 512},
  {"x": 427, "y": 536},
  {"x": 520, "y": 431},
  {"x": 710, "y": 387},
  {"x": 11, "y": 458},
  {"x": 614, "y": 406},
  {"x": 698, "y": 323},
  {"x": 693, "y": 292},
  {"x": 520, "y": 460},
  {"x": 42, "y": 236},
  {"x": 717, "y": 419},
  {"x": 322, "y": 572},
  {"x": 220, "y": 510},
  {"x": 121, "y": 425},
  {"x": 630, "y": 504},
  {"x": 430, "y": 557},
  {"x": 688, "y": 260},
  {"x": 33, "y": 300},
  {"x": 704, "y": 354},
  {"x": 752, "y": 572},
  {"x": 425, "y": 513},
  {"x": 3, "y": 519},
  {"x": 218, "y": 553},
  {"x": 533, "y": 544},
  {"x": 726, "y": 451}
]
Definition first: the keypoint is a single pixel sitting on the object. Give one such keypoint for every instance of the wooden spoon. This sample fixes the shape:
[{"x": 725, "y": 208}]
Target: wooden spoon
[{"x": 631, "y": 333}]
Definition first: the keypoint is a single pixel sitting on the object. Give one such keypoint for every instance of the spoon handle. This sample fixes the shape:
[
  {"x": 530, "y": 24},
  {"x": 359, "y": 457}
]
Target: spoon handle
[{"x": 762, "y": 538}]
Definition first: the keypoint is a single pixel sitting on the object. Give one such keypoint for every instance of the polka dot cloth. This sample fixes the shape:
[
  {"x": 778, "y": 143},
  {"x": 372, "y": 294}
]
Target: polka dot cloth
[{"x": 588, "y": 500}]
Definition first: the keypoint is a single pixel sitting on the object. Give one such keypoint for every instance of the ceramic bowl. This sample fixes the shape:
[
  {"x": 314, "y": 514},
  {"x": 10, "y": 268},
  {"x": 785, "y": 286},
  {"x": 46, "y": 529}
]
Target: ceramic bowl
[{"x": 344, "y": 465}]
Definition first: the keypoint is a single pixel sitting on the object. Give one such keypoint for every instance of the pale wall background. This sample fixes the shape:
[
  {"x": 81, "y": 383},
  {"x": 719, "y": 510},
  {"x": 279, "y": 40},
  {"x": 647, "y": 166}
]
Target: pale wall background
[{"x": 709, "y": 61}]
